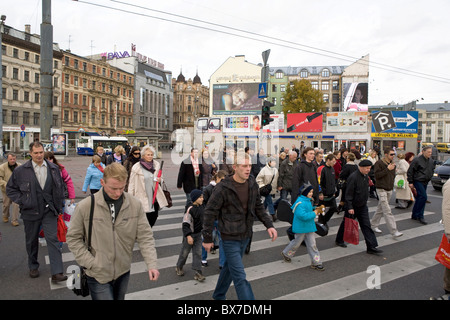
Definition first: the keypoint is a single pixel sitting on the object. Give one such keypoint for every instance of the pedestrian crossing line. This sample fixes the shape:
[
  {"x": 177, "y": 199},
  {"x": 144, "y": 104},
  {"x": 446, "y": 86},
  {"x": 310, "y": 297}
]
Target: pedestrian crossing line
[
  {"x": 170, "y": 261},
  {"x": 191, "y": 287},
  {"x": 353, "y": 284},
  {"x": 162, "y": 242}
]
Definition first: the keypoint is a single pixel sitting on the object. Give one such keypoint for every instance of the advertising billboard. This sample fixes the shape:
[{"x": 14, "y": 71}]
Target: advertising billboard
[
  {"x": 59, "y": 144},
  {"x": 304, "y": 122},
  {"x": 356, "y": 96},
  {"x": 347, "y": 121},
  {"x": 395, "y": 124},
  {"x": 236, "y": 98}
]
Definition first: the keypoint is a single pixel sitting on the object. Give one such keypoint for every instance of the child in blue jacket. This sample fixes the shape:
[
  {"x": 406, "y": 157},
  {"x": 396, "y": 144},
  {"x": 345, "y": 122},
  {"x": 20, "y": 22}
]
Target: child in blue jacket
[{"x": 303, "y": 226}]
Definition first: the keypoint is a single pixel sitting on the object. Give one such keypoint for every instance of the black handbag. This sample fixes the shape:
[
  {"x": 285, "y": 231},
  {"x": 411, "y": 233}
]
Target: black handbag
[
  {"x": 83, "y": 289},
  {"x": 267, "y": 189},
  {"x": 167, "y": 195}
]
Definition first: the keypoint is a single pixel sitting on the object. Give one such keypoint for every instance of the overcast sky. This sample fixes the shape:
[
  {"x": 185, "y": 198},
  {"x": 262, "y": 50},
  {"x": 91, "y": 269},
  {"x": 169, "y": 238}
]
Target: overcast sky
[{"x": 405, "y": 37}]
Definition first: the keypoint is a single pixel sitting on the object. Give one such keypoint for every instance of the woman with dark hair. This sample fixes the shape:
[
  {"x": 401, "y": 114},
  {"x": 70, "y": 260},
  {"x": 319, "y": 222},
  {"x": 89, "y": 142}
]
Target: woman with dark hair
[
  {"x": 133, "y": 157},
  {"x": 69, "y": 190}
]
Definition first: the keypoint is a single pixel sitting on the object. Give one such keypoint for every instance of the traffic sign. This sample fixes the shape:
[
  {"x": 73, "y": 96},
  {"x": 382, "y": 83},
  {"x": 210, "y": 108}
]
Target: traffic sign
[
  {"x": 383, "y": 121},
  {"x": 395, "y": 122},
  {"x": 262, "y": 90},
  {"x": 22, "y": 127},
  {"x": 22, "y": 134}
]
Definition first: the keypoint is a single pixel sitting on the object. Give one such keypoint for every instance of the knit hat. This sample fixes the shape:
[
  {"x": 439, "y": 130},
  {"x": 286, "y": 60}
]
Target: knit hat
[
  {"x": 195, "y": 194},
  {"x": 365, "y": 163},
  {"x": 305, "y": 189}
]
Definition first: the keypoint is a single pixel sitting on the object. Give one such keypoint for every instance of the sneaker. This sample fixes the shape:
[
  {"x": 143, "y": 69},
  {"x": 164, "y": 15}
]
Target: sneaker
[
  {"x": 285, "y": 257},
  {"x": 318, "y": 267},
  {"x": 204, "y": 263},
  {"x": 377, "y": 230},
  {"x": 397, "y": 234},
  {"x": 179, "y": 271},
  {"x": 199, "y": 277}
]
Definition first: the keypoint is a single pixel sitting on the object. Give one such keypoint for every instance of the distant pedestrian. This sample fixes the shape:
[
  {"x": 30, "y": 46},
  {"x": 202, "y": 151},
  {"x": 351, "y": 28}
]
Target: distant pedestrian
[
  {"x": 6, "y": 170},
  {"x": 133, "y": 158},
  {"x": 118, "y": 156},
  {"x": 384, "y": 170},
  {"x": 192, "y": 236},
  {"x": 101, "y": 153},
  {"x": 356, "y": 196},
  {"x": 189, "y": 175},
  {"x": 404, "y": 196},
  {"x": 37, "y": 187},
  {"x": 142, "y": 184},
  {"x": 94, "y": 174},
  {"x": 419, "y": 174},
  {"x": 119, "y": 222},
  {"x": 286, "y": 174},
  {"x": 303, "y": 226}
]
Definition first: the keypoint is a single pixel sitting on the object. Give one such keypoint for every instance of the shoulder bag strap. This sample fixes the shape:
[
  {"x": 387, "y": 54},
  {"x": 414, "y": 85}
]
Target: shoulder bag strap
[{"x": 91, "y": 216}]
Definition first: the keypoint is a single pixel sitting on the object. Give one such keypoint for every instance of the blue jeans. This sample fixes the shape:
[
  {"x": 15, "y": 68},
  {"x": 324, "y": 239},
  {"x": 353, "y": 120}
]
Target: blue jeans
[
  {"x": 233, "y": 270},
  {"x": 420, "y": 201},
  {"x": 113, "y": 290},
  {"x": 268, "y": 202}
]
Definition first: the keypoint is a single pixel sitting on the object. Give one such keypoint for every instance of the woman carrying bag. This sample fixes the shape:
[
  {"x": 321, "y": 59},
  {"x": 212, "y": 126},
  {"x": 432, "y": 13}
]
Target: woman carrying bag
[
  {"x": 142, "y": 184},
  {"x": 403, "y": 195}
]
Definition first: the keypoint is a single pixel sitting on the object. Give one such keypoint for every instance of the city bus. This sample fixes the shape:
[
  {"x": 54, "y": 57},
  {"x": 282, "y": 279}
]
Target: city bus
[{"x": 87, "y": 145}]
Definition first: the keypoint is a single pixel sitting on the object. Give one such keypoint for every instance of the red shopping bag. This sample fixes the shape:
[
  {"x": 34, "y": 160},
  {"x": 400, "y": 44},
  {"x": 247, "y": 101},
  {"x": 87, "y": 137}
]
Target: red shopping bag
[
  {"x": 443, "y": 253},
  {"x": 62, "y": 229},
  {"x": 351, "y": 231}
]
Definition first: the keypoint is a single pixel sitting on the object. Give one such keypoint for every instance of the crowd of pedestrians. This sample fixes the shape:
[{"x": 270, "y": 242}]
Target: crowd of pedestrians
[{"x": 222, "y": 201}]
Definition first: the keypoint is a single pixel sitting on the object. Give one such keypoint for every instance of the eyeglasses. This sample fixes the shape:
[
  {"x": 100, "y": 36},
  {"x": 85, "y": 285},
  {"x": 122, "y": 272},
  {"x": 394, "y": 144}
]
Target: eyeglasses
[
  {"x": 136, "y": 153},
  {"x": 392, "y": 154}
]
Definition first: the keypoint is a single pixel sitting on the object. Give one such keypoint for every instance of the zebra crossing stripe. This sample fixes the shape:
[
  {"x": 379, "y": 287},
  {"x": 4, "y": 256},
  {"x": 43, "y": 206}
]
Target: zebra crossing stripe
[{"x": 191, "y": 287}]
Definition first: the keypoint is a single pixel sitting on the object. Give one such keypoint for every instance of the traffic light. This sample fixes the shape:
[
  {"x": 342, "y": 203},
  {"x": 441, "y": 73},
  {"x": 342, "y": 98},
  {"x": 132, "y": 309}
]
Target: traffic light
[{"x": 266, "y": 112}]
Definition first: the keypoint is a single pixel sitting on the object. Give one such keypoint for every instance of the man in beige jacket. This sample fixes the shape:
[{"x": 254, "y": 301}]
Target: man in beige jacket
[
  {"x": 6, "y": 170},
  {"x": 119, "y": 221}
]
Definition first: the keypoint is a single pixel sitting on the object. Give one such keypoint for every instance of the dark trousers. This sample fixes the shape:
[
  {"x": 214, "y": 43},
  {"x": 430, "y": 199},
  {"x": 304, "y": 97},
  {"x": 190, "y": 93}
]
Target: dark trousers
[
  {"x": 362, "y": 214},
  {"x": 332, "y": 208},
  {"x": 421, "y": 200},
  {"x": 32, "y": 228}
]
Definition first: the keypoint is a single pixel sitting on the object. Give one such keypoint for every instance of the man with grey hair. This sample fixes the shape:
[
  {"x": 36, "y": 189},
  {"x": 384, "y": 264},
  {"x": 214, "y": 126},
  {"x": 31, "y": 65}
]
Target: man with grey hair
[
  {"x": 419, "y": 174},
  {"x": 286, "y": 173}
]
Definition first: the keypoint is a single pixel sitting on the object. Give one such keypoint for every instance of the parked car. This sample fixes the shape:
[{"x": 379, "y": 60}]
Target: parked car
[{"x": 441, "y": 175}]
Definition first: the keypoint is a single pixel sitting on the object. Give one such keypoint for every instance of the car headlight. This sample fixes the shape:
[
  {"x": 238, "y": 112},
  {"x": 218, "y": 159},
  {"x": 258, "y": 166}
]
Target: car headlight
[{"x": 435, "y": 174}]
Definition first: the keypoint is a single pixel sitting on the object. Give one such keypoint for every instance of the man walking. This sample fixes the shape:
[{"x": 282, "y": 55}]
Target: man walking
[
  {"x": 234, "y": 203},
  {"x": 189, "y": 175},
  {"x": 305, "y": 173},
  {"x": 37, "y": 187},
  {"x": 6, "y": 170},
  {"x": 356, "y": 196},
  {"x": 119, "y": 221},
  {"x": 287, "y": 167},
  {"x": 384, "y": 170},
  {"x": 419, "y": 174}
]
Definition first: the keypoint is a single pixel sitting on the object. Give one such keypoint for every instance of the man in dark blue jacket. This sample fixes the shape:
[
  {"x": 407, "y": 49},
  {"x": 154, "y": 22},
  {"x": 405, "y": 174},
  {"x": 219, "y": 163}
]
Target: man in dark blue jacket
[{"x": 37, "y": 187}]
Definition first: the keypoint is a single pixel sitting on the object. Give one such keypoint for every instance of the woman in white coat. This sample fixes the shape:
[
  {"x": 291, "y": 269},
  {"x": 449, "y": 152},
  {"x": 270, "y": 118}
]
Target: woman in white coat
[
  {"x": 404, "y": 196},
  {"x": 265, "y": 176},
  {"x": 143, "y": 180}
]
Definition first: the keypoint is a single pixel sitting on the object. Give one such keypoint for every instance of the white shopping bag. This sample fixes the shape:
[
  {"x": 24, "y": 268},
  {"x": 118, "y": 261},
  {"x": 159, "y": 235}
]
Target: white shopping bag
[{"x": 68, "y": 211}]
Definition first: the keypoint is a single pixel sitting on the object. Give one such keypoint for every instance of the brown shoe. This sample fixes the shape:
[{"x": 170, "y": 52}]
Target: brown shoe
[
  {"x": 34, "y": 273},
  {"x": 15, "y": 223},
  {"x": 5, "y": 219},
  {"x": 58, "y": 277}
]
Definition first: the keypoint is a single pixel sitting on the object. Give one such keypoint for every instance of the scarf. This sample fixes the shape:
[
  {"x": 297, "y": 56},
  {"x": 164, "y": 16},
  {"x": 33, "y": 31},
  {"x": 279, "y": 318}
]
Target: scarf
[
  {"x": 99, "y": 167},
  {"x": 147, "y": 165}
]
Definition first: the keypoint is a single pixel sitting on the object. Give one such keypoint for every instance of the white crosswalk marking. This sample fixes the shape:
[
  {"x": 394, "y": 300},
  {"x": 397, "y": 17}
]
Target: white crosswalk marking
[{"x": 168, "y": 238}]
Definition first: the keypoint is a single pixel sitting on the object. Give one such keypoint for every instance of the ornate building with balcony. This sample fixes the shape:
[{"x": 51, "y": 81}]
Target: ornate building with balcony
[{"x": 190, "y": 102}]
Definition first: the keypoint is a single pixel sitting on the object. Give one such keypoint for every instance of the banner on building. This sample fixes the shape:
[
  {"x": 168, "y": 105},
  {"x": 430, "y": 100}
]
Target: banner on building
[
  {"x": 347, "y": 121},
  {"x": 304, "y": 122},
  {"x": 236, "y": 98}
]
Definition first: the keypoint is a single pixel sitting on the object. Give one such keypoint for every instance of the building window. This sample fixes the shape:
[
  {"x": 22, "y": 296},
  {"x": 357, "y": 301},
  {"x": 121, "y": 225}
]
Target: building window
[
  {"x": 75, "y": 116},
  {"x": 15, "y": 94},
  {"x": 274, "y": 88},
  {"x": 15, "y": 74},
  {"x": 325, "y": 85},
  {"x": 15, "y": 53},
  {"x": 66, "y": 115},
  {"x": 315, "y": 85},
  {"x": 36, "y": 118},
  {"x": 325, "y": 73},
  {"x": 279, "y": 75},
  {"x": 26, "y": 117},
  {"x": 326, "y": 97},
  {"x": 14, "y": 117},
  {"x": 26, "y": 96},
  {"x": 304, "y": 74},
  {"x": 335, "y": 85}
]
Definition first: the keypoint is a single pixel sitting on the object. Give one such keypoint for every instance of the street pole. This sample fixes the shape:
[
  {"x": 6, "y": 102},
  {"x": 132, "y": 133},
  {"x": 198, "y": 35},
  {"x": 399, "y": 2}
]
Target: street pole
[
  {"x": 46, "y": 72},
  {"x": 2, "y": 21}
]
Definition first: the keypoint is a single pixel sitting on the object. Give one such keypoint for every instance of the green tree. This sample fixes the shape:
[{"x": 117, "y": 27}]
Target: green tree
[{"x": 302, "y": 97}]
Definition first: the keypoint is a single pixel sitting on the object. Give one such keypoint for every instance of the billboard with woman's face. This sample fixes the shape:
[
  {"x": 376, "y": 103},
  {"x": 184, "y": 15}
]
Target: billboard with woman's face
[
  {"x": 356, "y": 96},
  {"x": 239, "y": 98}
]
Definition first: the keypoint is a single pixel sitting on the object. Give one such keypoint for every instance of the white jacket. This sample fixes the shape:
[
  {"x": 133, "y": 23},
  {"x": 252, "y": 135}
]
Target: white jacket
[
  {"x": 136, "y": 187},
  {"x": 446, "y": 207},
  {"x": 265, "y": 176}
]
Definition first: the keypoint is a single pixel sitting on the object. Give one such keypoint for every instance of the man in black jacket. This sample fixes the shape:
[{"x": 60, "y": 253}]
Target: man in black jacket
[
  {"x": 328, "y": 186},
  {"x": 189, "y": 175},
  {"x": 37, "y": 187},
  {"x": 419, "y": 174},
  {"x": 234, "y": 203},
  {"x": 356, "y": 195},
  {"x": 306, "y": 173}
]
